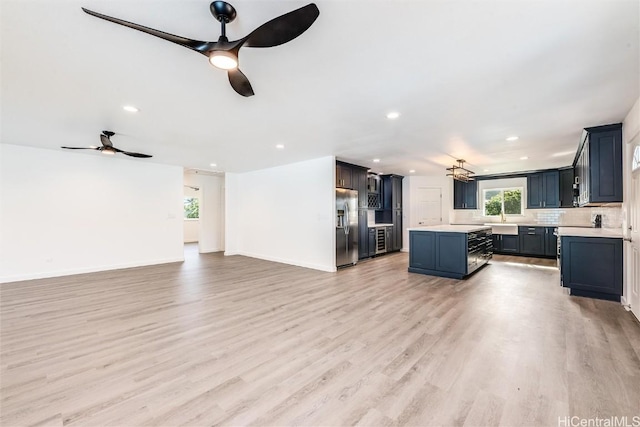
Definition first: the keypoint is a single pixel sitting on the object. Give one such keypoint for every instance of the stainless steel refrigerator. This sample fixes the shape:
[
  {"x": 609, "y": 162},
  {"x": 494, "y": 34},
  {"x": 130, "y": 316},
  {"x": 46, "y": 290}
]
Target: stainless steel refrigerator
[{"x": 346, "y": 227}]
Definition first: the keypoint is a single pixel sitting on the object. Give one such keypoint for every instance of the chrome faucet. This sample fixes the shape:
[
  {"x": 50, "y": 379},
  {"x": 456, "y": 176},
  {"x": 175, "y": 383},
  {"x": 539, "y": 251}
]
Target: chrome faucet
[{"x": 503, "y": 218}]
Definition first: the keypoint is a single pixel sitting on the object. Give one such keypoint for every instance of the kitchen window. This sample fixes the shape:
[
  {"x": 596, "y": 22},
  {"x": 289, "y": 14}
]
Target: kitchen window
[{"x": 497, "y": 201}]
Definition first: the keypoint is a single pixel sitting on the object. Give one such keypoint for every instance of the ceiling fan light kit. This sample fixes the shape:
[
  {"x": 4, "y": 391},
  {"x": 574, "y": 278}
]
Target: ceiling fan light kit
[
  {"x": 223, "y": 53},
  {"x": 108, "y": 148},
  {"x": 460, "y": 173},
  {"x": 223, "y": 60}
]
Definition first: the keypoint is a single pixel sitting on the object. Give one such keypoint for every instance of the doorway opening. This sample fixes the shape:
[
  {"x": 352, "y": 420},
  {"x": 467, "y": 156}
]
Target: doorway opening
[{"x": 203, "y": 206}]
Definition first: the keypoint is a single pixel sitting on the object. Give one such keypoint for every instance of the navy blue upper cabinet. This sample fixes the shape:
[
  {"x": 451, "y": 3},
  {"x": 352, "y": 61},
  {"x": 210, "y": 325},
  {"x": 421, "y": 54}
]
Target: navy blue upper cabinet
[
  {"x": 605, "y": 166},
  {"x": 543, "y": 190},
  {"x": 465, "y": 195},
  {"x": 392, "y": 191},
  {"x": 599, "y": 165},
  {"x": 566, "y": 188},
  {"x": 344, "y": 177},
  {"x": 359, "y": 175}
]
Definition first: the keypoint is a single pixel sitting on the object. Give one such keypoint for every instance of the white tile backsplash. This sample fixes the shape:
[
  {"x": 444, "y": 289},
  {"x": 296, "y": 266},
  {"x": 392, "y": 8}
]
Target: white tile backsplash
[
  {"x": 371, "y": 217},
  {"x": 578, "y": 217}
]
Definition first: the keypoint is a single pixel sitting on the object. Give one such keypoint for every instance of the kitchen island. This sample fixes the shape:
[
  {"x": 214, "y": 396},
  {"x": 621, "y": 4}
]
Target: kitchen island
[{"x": 445, "y": 250}]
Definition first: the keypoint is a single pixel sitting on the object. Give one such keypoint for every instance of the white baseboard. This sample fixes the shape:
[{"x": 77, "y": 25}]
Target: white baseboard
[
  {"x": 208, "y": 250},
  {"x": 69, "y": 272},
  {"x": 329, "y": 269}
]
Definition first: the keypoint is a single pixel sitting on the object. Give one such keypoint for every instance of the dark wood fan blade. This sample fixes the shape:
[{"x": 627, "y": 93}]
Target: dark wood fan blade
[
  {"x": 81, "y": 148},
  {"x": 106, "y": 141},
  {"x": 197, "y": 45},
  {"x": 136, "y": 154},
  {"x": 284, "y": 28},
  {"x": 240, "y": 82},
  {"x": 129, "y": 153}
]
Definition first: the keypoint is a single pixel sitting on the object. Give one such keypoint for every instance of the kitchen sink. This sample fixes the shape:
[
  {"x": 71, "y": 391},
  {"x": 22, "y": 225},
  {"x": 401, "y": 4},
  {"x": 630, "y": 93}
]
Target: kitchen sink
[{"x": 503, "y": 228}]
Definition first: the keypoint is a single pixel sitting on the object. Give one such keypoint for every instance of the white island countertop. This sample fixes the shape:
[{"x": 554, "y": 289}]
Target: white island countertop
[
  {"x": 590, "y": 232},
  {"x": 451, "y": 228}
]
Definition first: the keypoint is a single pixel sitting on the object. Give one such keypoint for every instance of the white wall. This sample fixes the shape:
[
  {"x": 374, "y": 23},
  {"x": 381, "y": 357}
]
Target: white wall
[
  {"x": 630, "y": 130},
  {"x": 64, "y": 212},
  {"x": 284, "y": 214},
  {"x": 410, "y": 185},
  {"x": 191, "y": 230},
  {"x": 212, "y": 209}
]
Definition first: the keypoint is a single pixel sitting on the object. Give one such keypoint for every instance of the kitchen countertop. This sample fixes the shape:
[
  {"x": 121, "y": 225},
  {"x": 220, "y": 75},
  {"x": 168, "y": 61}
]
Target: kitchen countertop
[
  {"x": 378, "y": 224},
  {"x": 521, "y": 224},
  {"x": 452, "y": 228},
  {"x": 590, "y": 232}
]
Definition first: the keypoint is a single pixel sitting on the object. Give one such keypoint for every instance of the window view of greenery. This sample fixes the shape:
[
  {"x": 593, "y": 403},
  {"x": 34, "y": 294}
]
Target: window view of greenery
[
  {"x": 191, "y": 208},
  {"x": 503, "y": 200}
]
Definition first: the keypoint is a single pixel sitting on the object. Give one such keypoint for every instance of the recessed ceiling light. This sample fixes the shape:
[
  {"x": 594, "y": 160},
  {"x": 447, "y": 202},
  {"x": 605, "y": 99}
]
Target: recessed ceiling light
[
  {"x": 512, "y": 138},
  {"x": 523, "y": 158},
  {"x": 486, "y": 170},
  {"x": 376, "y": 160},
  {"x": 130, "y": 108},
  {"x": 280, "y": 147},
  {"x": 412, "y": 171},
  {"x": 393, "y": 115},
  {"x": 213, "y": 165}
]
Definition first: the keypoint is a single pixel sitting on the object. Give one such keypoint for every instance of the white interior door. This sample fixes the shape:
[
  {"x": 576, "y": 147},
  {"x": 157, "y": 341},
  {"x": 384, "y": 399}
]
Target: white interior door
[
  {"x": 428, "y": 206},
  {"x": 633, "y": 229}
]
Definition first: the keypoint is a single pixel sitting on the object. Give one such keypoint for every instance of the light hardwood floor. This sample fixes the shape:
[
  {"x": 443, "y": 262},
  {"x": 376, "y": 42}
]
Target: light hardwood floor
[{"x": 235, "y": 341}]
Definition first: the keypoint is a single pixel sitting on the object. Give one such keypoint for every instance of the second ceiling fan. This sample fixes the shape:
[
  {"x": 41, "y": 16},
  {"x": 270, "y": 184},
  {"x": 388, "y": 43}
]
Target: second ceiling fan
[{"x": 224, "y": 53}]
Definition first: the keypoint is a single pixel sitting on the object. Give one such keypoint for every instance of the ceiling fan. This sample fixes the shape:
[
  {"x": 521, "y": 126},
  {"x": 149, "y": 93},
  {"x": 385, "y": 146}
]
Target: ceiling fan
[
  {"x": 224, "y": 53},
  {"x": 107, "y": 146}
]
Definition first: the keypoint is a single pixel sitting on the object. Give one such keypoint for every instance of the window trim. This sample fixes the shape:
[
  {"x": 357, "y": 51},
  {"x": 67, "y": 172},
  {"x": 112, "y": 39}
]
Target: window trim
[{"x": 502, "y": 190}]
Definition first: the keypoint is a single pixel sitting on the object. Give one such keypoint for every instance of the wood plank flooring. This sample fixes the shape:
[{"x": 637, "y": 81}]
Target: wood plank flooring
[{"x": 237, "y": 341}]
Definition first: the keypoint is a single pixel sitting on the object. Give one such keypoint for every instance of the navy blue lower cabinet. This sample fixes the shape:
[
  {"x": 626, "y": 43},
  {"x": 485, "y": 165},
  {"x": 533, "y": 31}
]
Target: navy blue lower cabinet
[
  {"x": 510, "y": 244},
  {"x": 451, "y": 253},
  {"x": 423, "y": 250},
  {"x": 592, "y": 266},
  {"x": 448, "y": 254},
  {"x": 531, "y": 240}
]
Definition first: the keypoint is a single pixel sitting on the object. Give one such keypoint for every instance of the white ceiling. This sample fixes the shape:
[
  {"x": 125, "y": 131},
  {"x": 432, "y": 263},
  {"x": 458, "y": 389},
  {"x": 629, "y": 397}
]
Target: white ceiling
[{"x": 463, "y": 74}]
